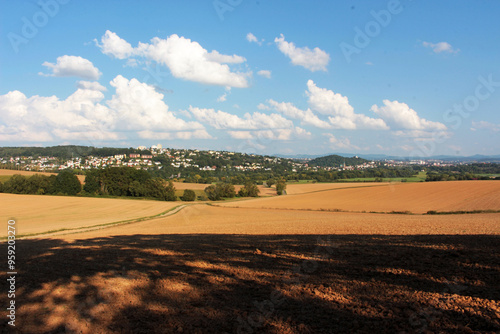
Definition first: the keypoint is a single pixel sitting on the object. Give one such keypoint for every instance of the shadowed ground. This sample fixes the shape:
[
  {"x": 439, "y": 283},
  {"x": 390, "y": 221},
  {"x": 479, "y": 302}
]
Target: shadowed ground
[{"x": 208, "y": 283}]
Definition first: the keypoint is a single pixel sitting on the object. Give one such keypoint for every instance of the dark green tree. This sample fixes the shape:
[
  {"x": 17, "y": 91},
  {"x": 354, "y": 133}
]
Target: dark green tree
[
  {"x": 212, "y": 193},
  {"x": 280, "y": 187},
  {"x": 17, "y": 184},
  {"x": 188, "y": 195},
  {"x": 66, "y": 183},
  {"x": 39, "y": 184},
  {"x": 92, "y": 182},
  {"x": 226, "y": 190},
  {"x": 249, "y": 190}
]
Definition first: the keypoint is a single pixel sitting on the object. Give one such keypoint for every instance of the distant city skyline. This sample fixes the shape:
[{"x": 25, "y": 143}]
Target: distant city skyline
[{"x": 403, "y": 78}]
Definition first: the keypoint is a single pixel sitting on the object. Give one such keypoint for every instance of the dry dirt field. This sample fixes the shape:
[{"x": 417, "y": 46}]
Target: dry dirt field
[
  {"x": 294, "y": 189},
  {"x": 218, "y": 269},
  {"x": 413, "y": 197}
]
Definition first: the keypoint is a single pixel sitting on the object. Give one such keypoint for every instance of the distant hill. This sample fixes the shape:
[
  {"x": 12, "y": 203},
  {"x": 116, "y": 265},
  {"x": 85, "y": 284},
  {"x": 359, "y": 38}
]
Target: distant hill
[
  {"x": 336, "y": 161},
  {"x": 64, "y": 151}
]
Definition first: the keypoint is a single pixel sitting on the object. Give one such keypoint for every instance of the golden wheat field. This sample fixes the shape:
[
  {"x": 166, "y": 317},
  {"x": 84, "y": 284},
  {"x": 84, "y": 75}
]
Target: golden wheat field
[
  {"x": 237, "y": 267},
  {"x": 36, "y": 214},
  {"x": 412, "y": 197}
]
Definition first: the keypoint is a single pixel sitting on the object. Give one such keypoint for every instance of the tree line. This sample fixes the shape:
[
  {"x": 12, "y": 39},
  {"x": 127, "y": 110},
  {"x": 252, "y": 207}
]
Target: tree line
[
  {"x": 123, "y": 182},
  {"x": 64, "y": 183}
]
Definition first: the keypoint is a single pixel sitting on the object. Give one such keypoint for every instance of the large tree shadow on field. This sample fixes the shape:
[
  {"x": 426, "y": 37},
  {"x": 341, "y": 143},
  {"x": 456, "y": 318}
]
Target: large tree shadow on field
[{"x": 257, "y": 284}]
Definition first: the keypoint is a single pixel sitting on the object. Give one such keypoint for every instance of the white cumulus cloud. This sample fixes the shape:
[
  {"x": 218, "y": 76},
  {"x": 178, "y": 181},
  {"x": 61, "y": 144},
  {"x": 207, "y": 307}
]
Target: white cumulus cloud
[
  {"x": 341, "y": 113},
  {"x": 313, "y": 60},
  {"x": 223, "y": 120},
  {"x": 400, "y": 116},
  {"x": 139, "y": 106},
  {"x": 186, "y": 59},
  {"x": 483, "y": 125},
  {"x": 86, "y": 116},
  {"x": 112, "y": 45},
  {"x": 72, "y": 66},
  {"x": 253, "y": 39},
  {"x": 340, "y": 143},
  {"x": 265, "y": 73},
  {"x": 440, "y": 47},
  {"x": 91, "y": 85},
  {"x": 306, "y": 116}
]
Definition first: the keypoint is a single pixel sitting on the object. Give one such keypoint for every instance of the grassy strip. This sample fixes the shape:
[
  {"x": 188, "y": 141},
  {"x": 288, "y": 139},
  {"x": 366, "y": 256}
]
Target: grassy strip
[
  {"x": 405, "y": 212},
  {"x": 460, "y": 212},
  {"x": 91, "y": 227}
]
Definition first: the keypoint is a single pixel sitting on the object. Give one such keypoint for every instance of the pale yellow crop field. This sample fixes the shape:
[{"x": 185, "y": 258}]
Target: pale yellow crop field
[
  {"x": 36, "y": 214},
  {"x": 413, "y": 197}
]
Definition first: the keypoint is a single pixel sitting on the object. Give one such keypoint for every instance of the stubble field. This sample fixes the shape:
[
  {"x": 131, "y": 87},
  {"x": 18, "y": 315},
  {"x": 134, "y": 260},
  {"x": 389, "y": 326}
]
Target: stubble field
[
  {"x": 245, "y": 269},
  {"x": 399, "y": 197}
]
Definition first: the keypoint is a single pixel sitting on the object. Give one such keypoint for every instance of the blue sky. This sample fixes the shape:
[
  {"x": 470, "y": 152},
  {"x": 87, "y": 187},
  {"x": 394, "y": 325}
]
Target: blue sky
[{"x": 409, "y": 78}]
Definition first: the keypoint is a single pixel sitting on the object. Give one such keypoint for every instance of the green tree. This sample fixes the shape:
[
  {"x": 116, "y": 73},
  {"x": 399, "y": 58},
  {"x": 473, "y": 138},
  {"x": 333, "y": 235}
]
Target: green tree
[
  {"x": 92, "y": 182},
  {"x": 17, "y": 184},
  {"x": 38, "y": 184},
  {"x": 188, "y": 195},
  {"x": 249, "y": 190},
  {"x": 67, "y": 183},
  {"x": 270, "y": 182},
  {"x": 212, "y": 193},
  {"x": 158, "y": 188},
  {"x": 226, "y": 190},
  {"x": 170, "y": 192},
  {"x": 280, "y": 187}
]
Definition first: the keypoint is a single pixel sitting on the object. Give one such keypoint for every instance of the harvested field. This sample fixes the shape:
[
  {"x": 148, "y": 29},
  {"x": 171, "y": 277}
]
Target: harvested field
[
  {"x": 211, "y": 269},
  {"x": 203, "y": 219},
  {"x": 37, "y": 214},
  {"x": 413, "y": 197},
  {"x": 294, "y": 189}
]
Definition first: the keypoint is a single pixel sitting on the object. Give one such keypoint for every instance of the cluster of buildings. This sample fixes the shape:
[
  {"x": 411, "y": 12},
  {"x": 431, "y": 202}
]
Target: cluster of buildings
[{"x": 184, "y": 158}]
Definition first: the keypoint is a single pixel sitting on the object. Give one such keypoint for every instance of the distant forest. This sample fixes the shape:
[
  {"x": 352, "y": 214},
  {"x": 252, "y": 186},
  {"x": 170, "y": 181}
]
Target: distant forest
[{"x": 336, "y": 161}]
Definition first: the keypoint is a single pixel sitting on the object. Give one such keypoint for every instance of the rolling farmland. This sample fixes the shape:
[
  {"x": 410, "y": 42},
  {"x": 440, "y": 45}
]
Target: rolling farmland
[
  {"x": 412, "y": 197},
  {"x": 238, "y": 267},
  {"x": 37, "y": 214}
]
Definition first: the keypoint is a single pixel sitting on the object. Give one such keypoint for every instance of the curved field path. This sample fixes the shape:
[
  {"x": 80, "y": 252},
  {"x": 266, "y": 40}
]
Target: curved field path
[
  {"x": 205, "y": 219},
  {"x": 38, "y": 214}
]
